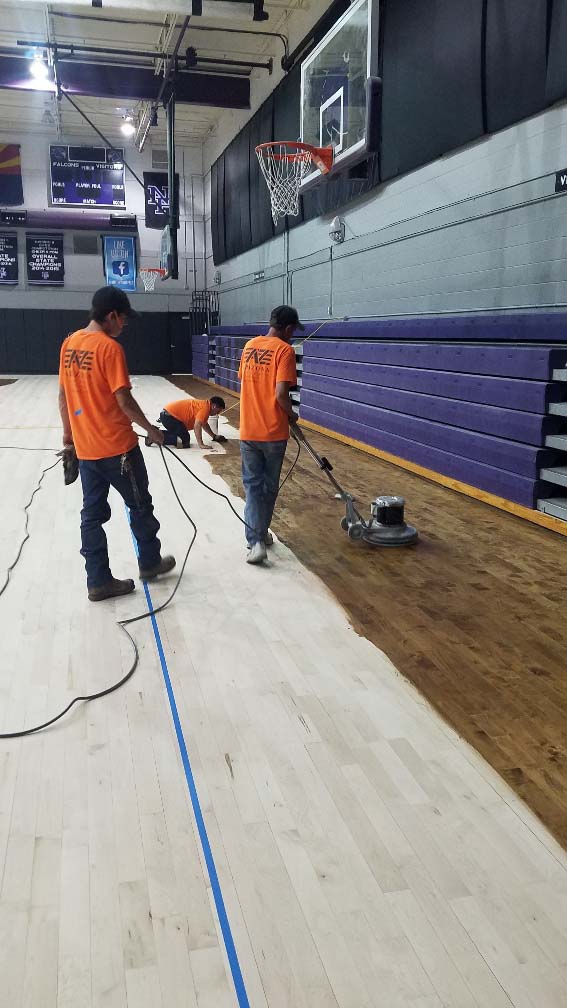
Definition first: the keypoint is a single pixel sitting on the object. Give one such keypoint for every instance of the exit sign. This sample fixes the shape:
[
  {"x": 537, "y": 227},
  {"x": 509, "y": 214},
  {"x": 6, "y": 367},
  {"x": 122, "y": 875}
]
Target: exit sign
[{"x": 561, "y": 181}]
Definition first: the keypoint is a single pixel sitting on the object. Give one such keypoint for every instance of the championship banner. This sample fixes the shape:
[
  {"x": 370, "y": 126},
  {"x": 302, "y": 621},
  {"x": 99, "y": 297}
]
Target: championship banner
[
  {"x": 11, "y": 189},
  {"x": 44, "y": 255},
  {"x": 8, "y": 258},
  {"x": 119, "y": 258}
]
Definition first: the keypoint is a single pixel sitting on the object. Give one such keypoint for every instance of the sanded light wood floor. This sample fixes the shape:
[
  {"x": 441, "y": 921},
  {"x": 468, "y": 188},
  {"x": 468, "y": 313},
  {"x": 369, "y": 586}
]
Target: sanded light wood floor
[
  {"x": 366, "y": 854},
  {"x": 472, "y": 615}
]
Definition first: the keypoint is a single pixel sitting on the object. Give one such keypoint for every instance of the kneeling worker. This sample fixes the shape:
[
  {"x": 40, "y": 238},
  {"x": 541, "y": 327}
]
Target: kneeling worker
[{"x": 185, "y": 415}]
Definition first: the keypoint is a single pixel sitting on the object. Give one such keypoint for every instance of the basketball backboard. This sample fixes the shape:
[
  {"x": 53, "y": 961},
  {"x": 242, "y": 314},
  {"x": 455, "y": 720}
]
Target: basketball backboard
[
  {"x": 168, "y": 254},
  {"x": 335, "y": 95}
]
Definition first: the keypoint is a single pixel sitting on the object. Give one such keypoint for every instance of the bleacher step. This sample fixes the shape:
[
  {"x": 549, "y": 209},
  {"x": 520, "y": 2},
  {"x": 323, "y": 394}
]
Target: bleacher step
[
  {"x": 556, "y": 506},
  {"x": 556, "y": 441},
  {"x": 557, "y": 474}
]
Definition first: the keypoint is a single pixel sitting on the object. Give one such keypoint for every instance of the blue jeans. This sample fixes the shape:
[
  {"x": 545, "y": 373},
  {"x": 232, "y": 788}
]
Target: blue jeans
[
  {"x": 97, "y": 476},
  {"x": 261, "y": 468},
  {"x": 174, "y": 429}
]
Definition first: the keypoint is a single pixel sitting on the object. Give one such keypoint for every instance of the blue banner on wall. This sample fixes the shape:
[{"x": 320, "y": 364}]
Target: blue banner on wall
[{"x": 119, "y": 256}]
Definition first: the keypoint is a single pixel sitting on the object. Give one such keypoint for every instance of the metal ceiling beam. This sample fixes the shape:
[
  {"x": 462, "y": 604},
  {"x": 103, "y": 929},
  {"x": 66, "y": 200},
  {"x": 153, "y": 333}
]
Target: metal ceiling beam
[
  {"x": 191, "y": 88},
  {"x": 70, "y": 48}
]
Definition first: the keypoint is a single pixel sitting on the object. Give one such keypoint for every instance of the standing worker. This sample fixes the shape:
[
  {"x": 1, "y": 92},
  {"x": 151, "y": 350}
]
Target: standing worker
[
  {"x": 267, "y": 373},
  {"x": 185, "y": 415},
  {"x": 97, "y": 410}
]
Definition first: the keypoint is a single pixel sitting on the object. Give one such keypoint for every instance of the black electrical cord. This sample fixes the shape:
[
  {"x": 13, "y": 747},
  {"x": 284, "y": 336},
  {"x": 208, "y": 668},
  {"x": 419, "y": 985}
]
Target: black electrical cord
[
  {"x": 218, "y": 493},
  {"x": 26, "y": 512},
  {"x": 123, "y": 624}
]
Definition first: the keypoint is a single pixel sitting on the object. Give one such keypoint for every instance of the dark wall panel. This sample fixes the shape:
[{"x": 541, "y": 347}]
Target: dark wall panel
[
  {"x": 31, "y": 340},
  {"x": 556, "y": 82},
  {"x": 146, "y": 342},
  {"x": 242, "y": 195},
  {"x": 516, "y": 50},
  {"x": 234, "y": 243},
  {"x": 217, "y": 211},
  {"x": 261, "y": 127},
  {"x": 431, "y": 65}
]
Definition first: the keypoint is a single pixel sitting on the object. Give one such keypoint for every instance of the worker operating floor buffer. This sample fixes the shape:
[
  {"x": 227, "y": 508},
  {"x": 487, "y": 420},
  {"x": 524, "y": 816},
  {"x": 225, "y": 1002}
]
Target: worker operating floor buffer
[{"x": 386, "y": 526}]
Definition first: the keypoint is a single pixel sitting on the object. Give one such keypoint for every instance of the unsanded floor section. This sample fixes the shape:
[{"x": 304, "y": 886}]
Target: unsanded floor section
[{"x": 472, "y": 615}]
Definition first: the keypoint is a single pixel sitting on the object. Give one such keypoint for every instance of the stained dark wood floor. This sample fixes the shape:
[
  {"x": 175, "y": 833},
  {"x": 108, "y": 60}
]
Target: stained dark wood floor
[{"x": 473, "y": 615}]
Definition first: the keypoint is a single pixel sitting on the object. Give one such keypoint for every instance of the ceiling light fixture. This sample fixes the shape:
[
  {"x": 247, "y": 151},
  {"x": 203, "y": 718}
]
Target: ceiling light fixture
[
  {"x": 38, "y": 67},
  {"x": 128, "y": 127}
]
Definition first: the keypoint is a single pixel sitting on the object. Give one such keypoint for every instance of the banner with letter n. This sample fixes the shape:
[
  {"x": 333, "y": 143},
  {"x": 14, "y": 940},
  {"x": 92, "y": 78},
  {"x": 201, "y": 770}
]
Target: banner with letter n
[
  {"x": 8, "y": 258},
  {"x": 119, "y": 258},
  {"x": 45, "y": 261},
  {"x": 156, "y": 192},
  {"x": 11, "y": 189}
]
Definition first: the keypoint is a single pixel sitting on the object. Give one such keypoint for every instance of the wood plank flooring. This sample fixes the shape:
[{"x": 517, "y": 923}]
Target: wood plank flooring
[
  {"x": 472, "y": 616},
  {"x": 367, "y": 855}
]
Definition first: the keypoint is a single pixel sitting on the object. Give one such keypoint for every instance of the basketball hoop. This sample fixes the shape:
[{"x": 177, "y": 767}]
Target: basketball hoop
[
  {"x": 284, "y": 165},
  {"x": 150, "y": 276}
]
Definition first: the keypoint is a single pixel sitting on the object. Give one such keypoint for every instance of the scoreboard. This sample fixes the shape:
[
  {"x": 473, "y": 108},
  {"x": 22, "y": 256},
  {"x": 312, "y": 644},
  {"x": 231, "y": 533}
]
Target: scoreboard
[{"x": 87, "y": 176}]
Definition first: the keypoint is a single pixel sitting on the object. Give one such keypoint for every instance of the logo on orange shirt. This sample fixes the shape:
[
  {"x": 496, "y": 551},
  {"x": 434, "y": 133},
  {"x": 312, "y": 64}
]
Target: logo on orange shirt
[
  {"x": 82, "y": 359},
  {"x": 254, "y": 356}
]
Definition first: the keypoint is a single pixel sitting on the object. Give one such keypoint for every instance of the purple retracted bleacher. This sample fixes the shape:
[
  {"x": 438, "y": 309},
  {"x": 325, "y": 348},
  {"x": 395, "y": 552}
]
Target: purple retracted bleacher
[
  {"x": 510, "y": 393},
  {"x": 529, "y": 428},
  {"x": 533, "y": 327},
  {"x": 467, "y": 396},
  {"x": 511, "y": 486},
  {"x": 494, "y": 451},
  {"x": 534, "y": 362}
]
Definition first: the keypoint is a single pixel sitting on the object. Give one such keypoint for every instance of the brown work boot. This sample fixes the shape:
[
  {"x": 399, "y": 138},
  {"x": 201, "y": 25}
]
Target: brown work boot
[
  {"x": 111, "y": 589},
  {"x": 166, "y": 564}
]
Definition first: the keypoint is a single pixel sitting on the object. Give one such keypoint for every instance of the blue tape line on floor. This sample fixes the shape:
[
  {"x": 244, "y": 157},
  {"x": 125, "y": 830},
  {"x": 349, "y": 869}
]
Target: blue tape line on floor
[{"x": 229, "y": 945}]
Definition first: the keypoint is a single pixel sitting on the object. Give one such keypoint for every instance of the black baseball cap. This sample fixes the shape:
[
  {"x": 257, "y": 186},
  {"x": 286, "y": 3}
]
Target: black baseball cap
[
  {"x": 283, "y": 316},
  {"x": 109, "y": 299}
]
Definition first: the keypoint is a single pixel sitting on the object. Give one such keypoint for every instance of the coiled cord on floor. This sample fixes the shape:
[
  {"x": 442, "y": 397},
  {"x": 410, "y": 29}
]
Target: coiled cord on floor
[{"x": 124, "y": 624}]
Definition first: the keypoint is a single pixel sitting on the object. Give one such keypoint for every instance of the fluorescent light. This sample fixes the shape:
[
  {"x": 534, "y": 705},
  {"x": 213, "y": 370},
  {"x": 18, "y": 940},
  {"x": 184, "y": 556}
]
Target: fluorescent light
[
  {"x": 128, "y": 128},
  {"x": 38, "y": 68}
]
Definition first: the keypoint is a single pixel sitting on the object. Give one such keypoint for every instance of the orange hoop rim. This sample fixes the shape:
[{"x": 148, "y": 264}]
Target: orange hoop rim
[
  {"x": 321, "y": 156},
  {"x": 151, "y": 269}
]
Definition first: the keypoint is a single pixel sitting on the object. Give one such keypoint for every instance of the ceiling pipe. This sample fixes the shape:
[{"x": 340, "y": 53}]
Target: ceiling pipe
[
  {"x": 108, "y": 20},
  {"x": 194, "y": 27}
]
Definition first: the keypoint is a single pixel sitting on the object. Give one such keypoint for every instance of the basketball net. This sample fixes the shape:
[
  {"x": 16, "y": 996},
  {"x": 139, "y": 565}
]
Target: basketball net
[
  {"x": 149, "y": 277},
  {"x": 284, "y": 165}
]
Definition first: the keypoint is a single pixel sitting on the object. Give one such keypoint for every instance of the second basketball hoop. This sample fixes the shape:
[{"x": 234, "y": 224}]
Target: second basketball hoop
[{"x": 284, "y": 166}]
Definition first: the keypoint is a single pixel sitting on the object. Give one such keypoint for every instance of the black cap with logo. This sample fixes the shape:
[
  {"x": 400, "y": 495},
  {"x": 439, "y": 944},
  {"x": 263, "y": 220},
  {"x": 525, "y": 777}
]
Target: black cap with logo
[
  {"x": 112, "y": 299},
  {"x": 285, "y": 315}
]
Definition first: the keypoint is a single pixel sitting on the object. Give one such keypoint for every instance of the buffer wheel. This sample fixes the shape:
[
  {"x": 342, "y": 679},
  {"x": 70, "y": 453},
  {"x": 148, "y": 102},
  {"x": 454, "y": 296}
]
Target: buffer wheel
[
  {"x": 355, "y": 532},
  {"x": 344, "y": 524}
]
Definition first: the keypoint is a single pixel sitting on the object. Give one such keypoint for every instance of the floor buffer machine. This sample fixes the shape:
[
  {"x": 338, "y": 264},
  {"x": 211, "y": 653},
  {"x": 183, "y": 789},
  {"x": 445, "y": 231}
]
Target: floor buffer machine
[{"x": 386, "y": 526}]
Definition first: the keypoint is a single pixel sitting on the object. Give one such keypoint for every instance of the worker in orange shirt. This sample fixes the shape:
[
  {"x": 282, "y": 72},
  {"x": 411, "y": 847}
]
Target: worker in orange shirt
[
  {"x": 97, "y": 411},
  {"x": 185, "y": 415},
  {"x": 267, "y": 373}
]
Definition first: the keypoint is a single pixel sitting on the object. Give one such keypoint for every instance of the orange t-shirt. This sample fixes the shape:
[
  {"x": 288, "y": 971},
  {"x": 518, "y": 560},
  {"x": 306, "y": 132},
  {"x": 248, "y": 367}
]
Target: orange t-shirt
[
  {"x": 189, "y": 410},
  {"x": 92, "y": 367},
  {"x": 265, "y": 361}
]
